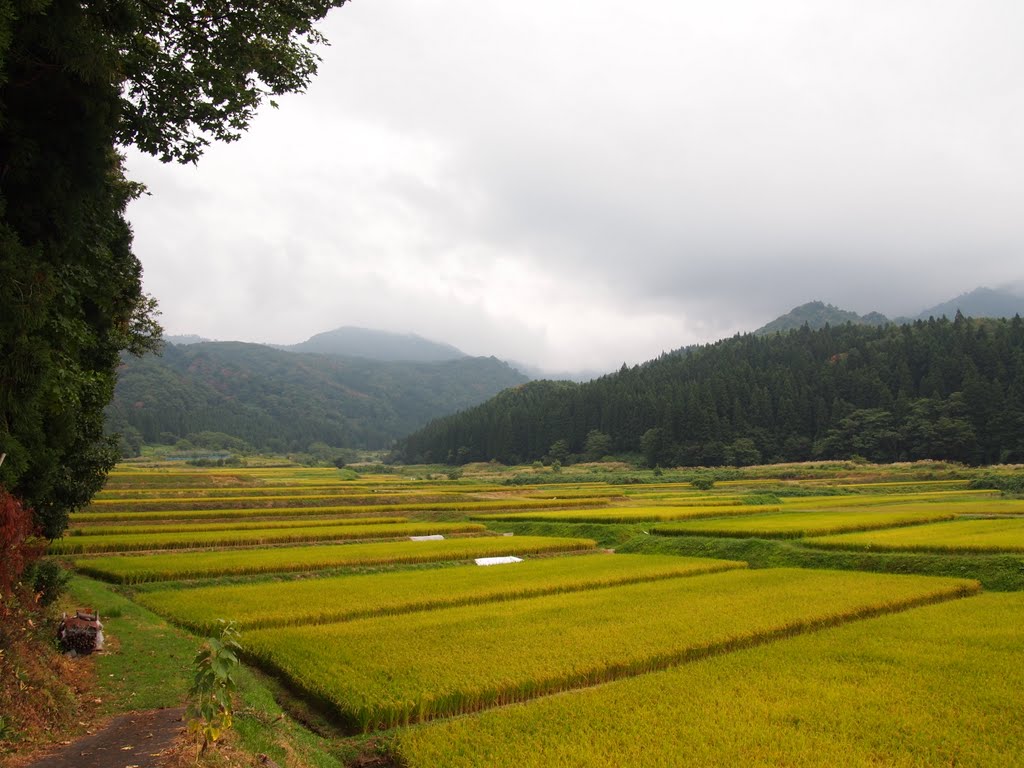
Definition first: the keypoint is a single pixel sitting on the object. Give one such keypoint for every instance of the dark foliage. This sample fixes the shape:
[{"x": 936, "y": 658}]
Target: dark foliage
[
  {"x": 284, "y": 401},
  {"x": 936, "y": 389},
  {"x": 78, "y": 80}
]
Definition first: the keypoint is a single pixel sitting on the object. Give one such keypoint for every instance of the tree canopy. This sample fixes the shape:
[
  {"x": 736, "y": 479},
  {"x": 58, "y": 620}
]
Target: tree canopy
[
  {"x": 79, "y": 80},
  {"x": 936, "y": 389}
]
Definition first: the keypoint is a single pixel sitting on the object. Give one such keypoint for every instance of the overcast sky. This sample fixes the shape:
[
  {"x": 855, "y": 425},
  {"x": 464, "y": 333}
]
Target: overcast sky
[{"x": 579, "y": 183}]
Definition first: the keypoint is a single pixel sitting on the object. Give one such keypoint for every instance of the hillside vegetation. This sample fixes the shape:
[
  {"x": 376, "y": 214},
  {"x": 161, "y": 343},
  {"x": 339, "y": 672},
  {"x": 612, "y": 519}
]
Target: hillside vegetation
[
  {"x": 941, "y": 389},
  {"x": 283, "y": 401}
]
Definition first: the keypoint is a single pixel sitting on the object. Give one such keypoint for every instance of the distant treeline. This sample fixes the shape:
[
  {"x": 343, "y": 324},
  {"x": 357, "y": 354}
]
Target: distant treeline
[
  {"x": 280, "y": 401},
  {"x": 938, "y": 389}
]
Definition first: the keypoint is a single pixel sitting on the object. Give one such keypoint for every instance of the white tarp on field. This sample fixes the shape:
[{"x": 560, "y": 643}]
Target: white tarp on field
[
  {"x": 497, "y": 560},
  {"x": 434, "y": 537}
]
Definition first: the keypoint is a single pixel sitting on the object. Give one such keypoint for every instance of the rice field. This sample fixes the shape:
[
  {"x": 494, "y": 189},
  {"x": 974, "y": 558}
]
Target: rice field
[
  {"x": 306, "y": 511},
  {"x": 137, "y": 569},
  {"x": 959, "y": 536},
  {"x": 343, "y": 598},
  {"x": 793, "y": 525},
  {"x": 235, "y": 525},
  {"x": 935, "y": 686},
  {"x": 627, "y": 514},
  {"x": 382, "y": 672},
  {"x": 127, "y": 542},
  {"x": 658, "y": 659},
  {"x": 946, "y": 498}
]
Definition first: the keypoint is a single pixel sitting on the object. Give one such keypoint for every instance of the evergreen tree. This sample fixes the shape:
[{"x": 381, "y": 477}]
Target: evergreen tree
[{"x": 77, "y": 81}]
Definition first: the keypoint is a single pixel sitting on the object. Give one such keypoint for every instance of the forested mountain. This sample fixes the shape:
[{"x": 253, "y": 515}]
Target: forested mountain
[
  {"x": 818, "y": 314},
  {"x": 981, "y": 302},
  {"x": 183, "y": 340},
  {"x": 377, "y": 345},
  {"x": 944, "y": 389},
  {"x": 282, "y": 401}
]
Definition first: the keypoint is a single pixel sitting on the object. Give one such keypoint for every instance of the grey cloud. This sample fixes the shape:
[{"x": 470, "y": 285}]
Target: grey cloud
[{"x": 672, "y": 168}]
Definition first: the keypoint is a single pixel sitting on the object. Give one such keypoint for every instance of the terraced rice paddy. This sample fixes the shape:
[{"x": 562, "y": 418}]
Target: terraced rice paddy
[
  {"x": 707, "y": 662},
  {"x": 268, "y": 501},
  {"x": 381, "y": 672},
  {"x": 868, "y": 500},
  {"x": 627, "y": 514},
  {"x": 935, "y": 686},
  {"x": 126, "y": 542},
  {"x": 242, "y": 511},
  {"x": 972, "y": 535},
  {"x": 136, "y": 569},
  {"x": 348, "y": 597},
  {"x": 792, "y": 525},
  {"x": 236, "y": 525}
]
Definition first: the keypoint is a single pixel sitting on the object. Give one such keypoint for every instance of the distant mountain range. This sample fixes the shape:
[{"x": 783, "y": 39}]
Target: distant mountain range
[
  {"x": 981, "y": 302},
  {"x": 363, "y": 388},
  {"x": 352, "y": 341},
  {"x": 283, "y": 401}
]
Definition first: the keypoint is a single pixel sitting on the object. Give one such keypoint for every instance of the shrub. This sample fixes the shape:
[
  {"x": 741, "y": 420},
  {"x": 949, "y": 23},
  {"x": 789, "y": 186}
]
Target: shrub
[
  {"x": 48, "y": 581},
  {"x": 20, "y": 546},
  {"x": 213, "y": 684}
]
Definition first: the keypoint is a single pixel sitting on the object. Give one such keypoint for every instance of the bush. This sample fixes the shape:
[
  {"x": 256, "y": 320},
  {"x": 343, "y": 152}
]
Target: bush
[
  {"x": 1008, "y": 484},
  {"x": 211, "y": 709},
  {"x": 703, "y": 483},
  {"x": 49, "y": 581},
  {"x": 20, "y": 547}
]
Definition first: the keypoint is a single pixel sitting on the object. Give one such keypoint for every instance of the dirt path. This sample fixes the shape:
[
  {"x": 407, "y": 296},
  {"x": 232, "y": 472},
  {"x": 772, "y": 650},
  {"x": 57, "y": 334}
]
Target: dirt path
[{"x": 135, "y": 740}]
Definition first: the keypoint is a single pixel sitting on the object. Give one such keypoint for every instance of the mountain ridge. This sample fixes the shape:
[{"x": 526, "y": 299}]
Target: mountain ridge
[{"x": 283, "y": 401}]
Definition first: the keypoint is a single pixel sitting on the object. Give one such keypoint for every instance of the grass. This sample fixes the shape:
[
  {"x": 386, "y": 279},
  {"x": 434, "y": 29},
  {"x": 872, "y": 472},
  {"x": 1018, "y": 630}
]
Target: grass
[
  {"x": 937, "y": 685},
  {"x": 127, "y": 569},
  {"x": 970, "y": 536},
  {"x": 126, "y": 542},
  {"x": 386, "y": 671},
  {"x": 349, "y": 597},
  {"x": 149, "y": 665},
  {"x": 793, "y": 525}
]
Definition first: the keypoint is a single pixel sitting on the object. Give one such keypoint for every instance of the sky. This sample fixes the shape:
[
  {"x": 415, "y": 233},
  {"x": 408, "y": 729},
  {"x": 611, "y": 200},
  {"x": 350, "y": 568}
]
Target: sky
[{"x": 575, "y": 184}]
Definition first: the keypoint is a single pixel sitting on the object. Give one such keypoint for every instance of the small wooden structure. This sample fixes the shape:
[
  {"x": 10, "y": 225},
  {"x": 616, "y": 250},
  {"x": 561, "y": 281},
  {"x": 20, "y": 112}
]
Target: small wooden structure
[{"x": 81, "y": 633}]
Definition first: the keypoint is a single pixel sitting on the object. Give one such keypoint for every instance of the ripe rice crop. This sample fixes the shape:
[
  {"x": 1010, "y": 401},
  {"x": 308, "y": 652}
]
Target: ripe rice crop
[
  {"x": 975, "y": 536},
  {"x": 944, "y": 497},
  {"x": 264, "y": 502},
  {"x": 685, "y": 501},
  {"x": 793, "y": 525},
  {"x": 127, "y": 542},
  {"x": 128, "y": 569},
  {"x": 385, "y": 671},
  {"x": 124, "y": 477},
  {"x": 935, "y": 686},
  {"x": 905, "y": 484},
  {"x": 448, "y": 506},
  {"x": 234, "y": 525},
  {"x": 245, "y": 492},
  {"x": 348, "y": 597},
  {"x": 627, "y": 514}
]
